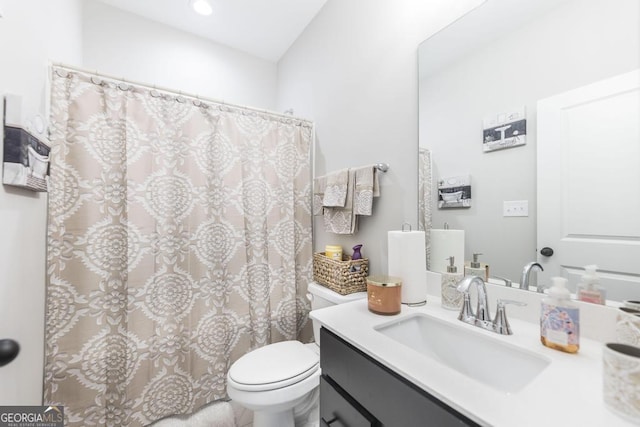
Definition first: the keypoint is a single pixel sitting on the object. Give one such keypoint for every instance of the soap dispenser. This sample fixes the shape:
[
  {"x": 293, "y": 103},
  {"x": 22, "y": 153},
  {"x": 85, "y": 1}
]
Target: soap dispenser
[
  {"x": 476, "y": 269},
  {"x": 588, "y": 288},
  {"x": 560, "y": 318},
  {"x": 451, "y": 297}
]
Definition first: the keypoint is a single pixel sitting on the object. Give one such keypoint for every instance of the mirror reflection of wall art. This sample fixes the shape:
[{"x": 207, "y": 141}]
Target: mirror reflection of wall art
[
  {"x": 26, "y": 158},
  {"x": 454, "y": 192},
  {"x": 504, "y": 130}
]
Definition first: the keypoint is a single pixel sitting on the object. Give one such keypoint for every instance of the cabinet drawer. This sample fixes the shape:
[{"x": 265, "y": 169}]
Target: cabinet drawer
[
  {"x": 338, "y": 409},
  {"x": 391, "y": 399}
]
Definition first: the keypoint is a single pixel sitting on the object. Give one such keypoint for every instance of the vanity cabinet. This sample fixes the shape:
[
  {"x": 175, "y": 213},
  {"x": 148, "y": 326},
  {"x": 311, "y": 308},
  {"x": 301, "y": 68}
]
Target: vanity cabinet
[{"x": 356, "y": 390}]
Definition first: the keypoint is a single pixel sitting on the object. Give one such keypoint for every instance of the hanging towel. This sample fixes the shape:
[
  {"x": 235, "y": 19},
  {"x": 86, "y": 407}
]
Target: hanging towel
[
  {"x": 335, "y": 192},
  {"x": 342, "y": 220},
  {"x": 319, "y": 185},
  {"x": 366, "y": 188}
]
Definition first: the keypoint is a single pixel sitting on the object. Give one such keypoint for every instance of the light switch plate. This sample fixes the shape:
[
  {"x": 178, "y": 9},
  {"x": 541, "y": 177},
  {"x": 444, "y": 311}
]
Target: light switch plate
[{"x": 515, "y": 208}]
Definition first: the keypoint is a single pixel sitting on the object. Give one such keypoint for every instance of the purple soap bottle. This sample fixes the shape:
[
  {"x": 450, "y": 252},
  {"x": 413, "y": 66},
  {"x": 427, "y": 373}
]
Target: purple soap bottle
[{"x": 356, "y": 252}]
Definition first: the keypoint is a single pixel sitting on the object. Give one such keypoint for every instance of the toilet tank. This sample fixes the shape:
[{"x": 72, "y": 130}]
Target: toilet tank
[{"x": 322, "y": 297}]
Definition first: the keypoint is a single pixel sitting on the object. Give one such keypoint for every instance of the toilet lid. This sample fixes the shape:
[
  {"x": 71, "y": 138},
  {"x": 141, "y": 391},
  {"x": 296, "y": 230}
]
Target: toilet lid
[{"x": 274, "y": 366}]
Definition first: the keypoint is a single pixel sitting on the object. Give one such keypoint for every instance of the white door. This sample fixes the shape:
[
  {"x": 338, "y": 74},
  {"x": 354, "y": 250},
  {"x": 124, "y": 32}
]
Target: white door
[{"x": 589, "y": 184}]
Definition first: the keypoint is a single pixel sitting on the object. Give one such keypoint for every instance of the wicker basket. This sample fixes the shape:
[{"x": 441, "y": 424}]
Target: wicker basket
[{"x": 344, "y": 277}]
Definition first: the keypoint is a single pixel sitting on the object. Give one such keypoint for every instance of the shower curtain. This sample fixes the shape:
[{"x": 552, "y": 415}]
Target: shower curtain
[
  {"x": 179, "y": 238},
  {"x": 424, "y": 197}
]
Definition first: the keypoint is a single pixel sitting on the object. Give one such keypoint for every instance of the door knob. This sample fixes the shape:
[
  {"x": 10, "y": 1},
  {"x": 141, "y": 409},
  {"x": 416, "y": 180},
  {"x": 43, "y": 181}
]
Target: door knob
[
  {"x": 546, "y": 251},
  {"x": 9, "y": 349}
]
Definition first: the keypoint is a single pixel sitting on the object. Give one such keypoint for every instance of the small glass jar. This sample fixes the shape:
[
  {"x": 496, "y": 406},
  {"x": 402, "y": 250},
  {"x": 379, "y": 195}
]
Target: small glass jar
[{"x": 384, "y": 294}]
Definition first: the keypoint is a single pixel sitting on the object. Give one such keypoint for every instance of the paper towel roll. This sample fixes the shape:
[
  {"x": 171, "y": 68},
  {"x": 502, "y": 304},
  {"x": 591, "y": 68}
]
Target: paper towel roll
[
  {"x": 446, "y": 243},
  {"x": 407, "y": 260}
]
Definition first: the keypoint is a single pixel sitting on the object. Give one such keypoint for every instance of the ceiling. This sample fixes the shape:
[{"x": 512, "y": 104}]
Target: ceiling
[{"x": 262, "y": 28}]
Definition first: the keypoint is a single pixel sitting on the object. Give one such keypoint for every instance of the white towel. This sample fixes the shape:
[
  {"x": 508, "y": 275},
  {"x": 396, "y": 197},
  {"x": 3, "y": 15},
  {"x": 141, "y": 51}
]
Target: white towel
[
  {"x": 335, "y": 192},
  {"x": 343, "y": 195},
  {"x": 319, "y": 185},
  {"x": 342, "y": 220},
  {"x": 366, "y": 188}
]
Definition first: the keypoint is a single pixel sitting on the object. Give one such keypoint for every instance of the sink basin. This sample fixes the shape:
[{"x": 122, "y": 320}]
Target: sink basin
[{"x": 500, "y": 365}]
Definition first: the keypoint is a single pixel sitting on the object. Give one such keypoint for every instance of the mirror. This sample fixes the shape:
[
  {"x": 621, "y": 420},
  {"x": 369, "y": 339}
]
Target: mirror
[{"x": 499, "y": 60}]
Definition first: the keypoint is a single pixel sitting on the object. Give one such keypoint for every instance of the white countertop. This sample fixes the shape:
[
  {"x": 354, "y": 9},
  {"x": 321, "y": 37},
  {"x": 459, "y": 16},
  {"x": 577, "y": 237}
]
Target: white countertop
[{"x": 568, "y": 392}]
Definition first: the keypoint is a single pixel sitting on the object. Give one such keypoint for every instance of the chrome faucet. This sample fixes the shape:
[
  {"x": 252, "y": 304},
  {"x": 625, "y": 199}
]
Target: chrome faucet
[
  {"x": 481, "y": 318},
  {"x": 526, "y": 272},
  {"x": 507, "y": 282}
]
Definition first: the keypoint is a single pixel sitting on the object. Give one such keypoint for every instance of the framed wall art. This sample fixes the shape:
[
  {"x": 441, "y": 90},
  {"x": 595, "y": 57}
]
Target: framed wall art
[
  {"x": 26, "y": 157},
  {"x": 454, "y": 192},
  {"x": 504, "y": 130}
]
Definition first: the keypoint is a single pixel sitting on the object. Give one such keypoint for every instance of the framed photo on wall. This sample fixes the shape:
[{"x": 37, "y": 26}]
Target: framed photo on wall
[
  {"x": 504, "y": 130},
  {"x": 454, "y": 192},
  {"x": 26, "y": 158}
]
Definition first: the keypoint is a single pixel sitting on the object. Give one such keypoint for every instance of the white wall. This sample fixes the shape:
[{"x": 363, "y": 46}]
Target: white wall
[
  {"x": 354, "y": 72},
  {"x": 547, "y": 56},
  {"x": 32, "y": 33},
  {"x": 122, "y": 44}
]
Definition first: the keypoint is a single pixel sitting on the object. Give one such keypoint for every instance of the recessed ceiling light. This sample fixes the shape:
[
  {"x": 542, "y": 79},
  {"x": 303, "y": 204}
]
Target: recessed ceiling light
[{"x": 202, "y": 7}]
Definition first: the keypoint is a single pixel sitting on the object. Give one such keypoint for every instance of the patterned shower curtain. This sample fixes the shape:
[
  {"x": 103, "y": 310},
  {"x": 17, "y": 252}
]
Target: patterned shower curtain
[
  {"x": 424, "y": 197},
  {"x": 179, "y": 238}
]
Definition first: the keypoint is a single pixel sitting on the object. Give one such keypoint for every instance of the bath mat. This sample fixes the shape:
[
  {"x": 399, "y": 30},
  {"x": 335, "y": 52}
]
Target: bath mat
[{"x": 218, "y": 414}]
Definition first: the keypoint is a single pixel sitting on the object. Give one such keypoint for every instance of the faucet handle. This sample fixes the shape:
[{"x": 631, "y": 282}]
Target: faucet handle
[
  {"x": 466, "y": 312},
  {"x": 500, "y": 322},
  {"x": 508, "y": 283}
]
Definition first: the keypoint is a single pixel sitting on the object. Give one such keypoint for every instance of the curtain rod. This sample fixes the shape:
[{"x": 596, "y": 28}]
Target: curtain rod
[{"x": 173, "y": 91}]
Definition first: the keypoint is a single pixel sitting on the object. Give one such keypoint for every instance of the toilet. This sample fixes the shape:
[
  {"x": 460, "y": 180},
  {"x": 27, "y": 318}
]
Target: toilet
[{"x": 278, "y": 378}]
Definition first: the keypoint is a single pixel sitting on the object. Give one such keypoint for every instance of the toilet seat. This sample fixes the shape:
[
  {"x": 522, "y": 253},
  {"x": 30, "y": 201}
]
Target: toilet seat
[{"x": 274, "y": 366}]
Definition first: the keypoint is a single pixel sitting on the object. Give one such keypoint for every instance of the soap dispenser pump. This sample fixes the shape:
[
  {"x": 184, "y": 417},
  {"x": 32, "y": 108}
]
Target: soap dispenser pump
[
  {"x": 476, "y": 269},
  {"x": 588, "y": 289},
  {"x": 452, "y": 298}
]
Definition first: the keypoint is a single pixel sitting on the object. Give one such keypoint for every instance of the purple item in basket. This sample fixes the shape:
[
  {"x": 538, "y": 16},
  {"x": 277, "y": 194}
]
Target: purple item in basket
[{"x": 356, "y": 252}]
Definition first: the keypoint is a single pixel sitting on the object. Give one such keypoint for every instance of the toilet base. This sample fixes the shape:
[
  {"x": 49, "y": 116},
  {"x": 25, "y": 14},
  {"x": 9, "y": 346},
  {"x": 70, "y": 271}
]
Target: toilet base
[
  {"x": 286, "y": 415},
  {"x": 273, "y": 419},
  {"x": 298, "y": 415}
]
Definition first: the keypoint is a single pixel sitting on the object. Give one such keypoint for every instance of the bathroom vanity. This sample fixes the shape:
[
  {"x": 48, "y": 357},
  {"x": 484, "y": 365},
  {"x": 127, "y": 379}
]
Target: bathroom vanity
[
  {"x": 425, "y": 367},
  {"x": 360, "y": 391}
]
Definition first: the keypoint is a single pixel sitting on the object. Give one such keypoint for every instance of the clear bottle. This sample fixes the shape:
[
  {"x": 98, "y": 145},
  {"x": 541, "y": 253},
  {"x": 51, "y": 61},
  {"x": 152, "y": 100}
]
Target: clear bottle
[
  {"x": 452, "y": 298},
  {"x": 560, "y": 319},
  {"x": 588, "y": 288},
  {"x": 475, "y": 268}
]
